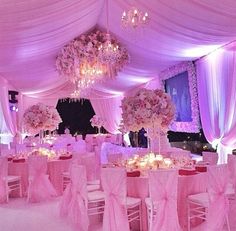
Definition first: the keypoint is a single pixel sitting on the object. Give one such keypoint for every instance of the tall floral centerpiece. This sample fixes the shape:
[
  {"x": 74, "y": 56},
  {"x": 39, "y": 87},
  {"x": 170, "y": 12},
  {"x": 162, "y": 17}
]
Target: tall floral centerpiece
[
  {"x": 40, "y": 117},
  {"x": 149, "y": 109},
  {"x": 98, "y": 122}
]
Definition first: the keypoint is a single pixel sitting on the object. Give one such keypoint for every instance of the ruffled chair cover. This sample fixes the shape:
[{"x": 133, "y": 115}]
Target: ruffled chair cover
[
  {"x": 3, "y": 175},
  {"x": 40, "y": 188},
  {"x": 218, "y": 179},
  {"x": 114, "y": 185},
  {"x": 163, "y": 192},
  {"x": 74, "y": 200}
]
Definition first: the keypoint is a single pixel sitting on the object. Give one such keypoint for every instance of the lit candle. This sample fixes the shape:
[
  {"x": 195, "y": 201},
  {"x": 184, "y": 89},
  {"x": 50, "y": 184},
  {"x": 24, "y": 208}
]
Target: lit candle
[
  {"x": 159, "y": 157},
  {"x": 167, "y": 162},
  {"x": 142, "y": 164}
]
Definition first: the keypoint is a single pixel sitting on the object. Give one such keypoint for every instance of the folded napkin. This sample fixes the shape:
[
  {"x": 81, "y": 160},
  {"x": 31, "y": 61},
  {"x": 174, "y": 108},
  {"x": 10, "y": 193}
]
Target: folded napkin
[
  {"x": 201, "y": 168},
  {"x": 133, "y": 174},
  {"x": 65, "y": 157},
  {"x": 187, "y": 172},
  {"x": 18, "y": 160}
]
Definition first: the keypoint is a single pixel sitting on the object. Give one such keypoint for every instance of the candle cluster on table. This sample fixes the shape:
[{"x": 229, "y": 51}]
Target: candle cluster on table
[
  {"x": 155, "y": 161},
  {"x": 51, "y": 154},
  {"x": 149, "y": 161}
]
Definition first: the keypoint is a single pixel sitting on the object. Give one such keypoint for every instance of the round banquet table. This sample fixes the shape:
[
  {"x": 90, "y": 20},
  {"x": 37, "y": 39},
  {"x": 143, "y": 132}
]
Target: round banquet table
[
  {"x": 187, "y": 185},
  {"x": 55, "y": 168}
]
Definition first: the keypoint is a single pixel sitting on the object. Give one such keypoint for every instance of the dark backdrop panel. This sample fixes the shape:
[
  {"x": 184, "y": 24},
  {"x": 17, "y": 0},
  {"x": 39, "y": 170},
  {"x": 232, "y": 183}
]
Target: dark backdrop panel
[{"x": 76, "y": 116}]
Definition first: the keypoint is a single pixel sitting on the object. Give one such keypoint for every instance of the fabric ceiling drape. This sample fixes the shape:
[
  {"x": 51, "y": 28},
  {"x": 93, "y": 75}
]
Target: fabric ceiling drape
[
  {"x": 217, "y": 99},
  {"x": 109, "y": 109}
]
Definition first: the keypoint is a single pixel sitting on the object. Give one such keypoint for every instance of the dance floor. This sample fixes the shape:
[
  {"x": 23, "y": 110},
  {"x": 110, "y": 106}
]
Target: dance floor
[
  {"x": 21, "y": 216},
  {"x": 18, "y": 215}
]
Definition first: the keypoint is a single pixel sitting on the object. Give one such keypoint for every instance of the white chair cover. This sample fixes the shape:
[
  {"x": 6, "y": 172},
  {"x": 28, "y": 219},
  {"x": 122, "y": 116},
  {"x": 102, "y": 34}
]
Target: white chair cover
[
  {"x": 89, "y": 161},
  {"x": 114, "y": 185},
  {"x": 163, "y": 192},
  {"x": 3, "y": 175},
  {"x": 79, "y": 147},
  {"x": 40, "y": 188},
  {"x": 74, "y": 201},
  {"x": 218, "y": 179}
]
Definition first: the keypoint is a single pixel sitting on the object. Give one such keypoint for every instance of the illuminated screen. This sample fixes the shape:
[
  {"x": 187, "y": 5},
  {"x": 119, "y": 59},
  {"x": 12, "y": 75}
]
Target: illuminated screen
[{"x": 178, "y": 88}]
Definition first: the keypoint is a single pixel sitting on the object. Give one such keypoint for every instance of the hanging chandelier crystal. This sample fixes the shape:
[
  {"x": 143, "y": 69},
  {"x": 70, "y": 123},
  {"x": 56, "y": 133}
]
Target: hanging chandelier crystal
[
  {"x": 134, "y": 18},
  {"x": 91, "y": 72},
  {"x": 75, "y": 94},
  {"x": 109, "y": 52},
  {"x": 79, "y": 92},
  {"x": 88, "y": 73}
]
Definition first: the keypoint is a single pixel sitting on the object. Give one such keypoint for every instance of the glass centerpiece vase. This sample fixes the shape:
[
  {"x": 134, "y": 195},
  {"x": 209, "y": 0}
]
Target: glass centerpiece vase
[
  {"x": 154, "y": 139},
  {"x": 41, "y": 136},
  {"x": 99, "y": 130}
]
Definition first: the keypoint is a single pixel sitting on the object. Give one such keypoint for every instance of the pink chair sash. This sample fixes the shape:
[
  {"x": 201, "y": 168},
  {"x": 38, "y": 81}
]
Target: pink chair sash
[
  {"x": 3, "y": 175},
  {"x": 163, "y": 192},
  {"x": 114, "y": 185},
  {"x": 40, "y": 188},
  {"x": 219, "y": 204},
  {"x": 74, "y": 201}
]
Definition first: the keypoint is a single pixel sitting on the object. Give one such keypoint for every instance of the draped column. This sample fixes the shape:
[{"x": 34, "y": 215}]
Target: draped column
[
  {"x": 8, "y": 125},
  {"x": 109, "y": 109},
  {"x": 217, "y": 99}
]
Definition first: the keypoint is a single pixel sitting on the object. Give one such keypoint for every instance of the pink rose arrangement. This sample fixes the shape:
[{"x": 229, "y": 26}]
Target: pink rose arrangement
[
  {"x": 147, "y": 109},
  {"x": 87, "y": 49},
  {"x": 97, "y": 121},
  {"x": 40, "y": 117}
]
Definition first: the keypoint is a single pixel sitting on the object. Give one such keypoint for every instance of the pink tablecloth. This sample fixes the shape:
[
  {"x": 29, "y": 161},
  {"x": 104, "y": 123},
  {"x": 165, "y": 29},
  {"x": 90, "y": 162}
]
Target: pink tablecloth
[
  {"x": 187, "y": 185},
  {"x": 55, "y": 170}
]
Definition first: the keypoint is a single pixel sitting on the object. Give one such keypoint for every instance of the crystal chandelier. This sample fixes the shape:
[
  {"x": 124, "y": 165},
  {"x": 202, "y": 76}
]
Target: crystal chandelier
[
  {"x": 79, "y": 92},
  {"x": 89, "y": 73},
  {"x": 90, "y": 59},
  {"x": 92, "y": 70},
  {"x": 109, "y": 51},
  {"x": 134, "y": 18}
]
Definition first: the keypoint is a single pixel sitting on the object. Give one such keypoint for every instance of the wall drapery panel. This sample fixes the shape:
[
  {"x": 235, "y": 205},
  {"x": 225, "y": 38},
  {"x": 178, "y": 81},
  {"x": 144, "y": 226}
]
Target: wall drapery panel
[
  {"x": 217, "y": 99},
  {"x": 7, "y": 124}
]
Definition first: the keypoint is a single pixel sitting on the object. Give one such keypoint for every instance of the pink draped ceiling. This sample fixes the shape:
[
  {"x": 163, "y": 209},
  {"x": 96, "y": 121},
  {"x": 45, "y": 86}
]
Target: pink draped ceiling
[{"x": 33, "y": 32}]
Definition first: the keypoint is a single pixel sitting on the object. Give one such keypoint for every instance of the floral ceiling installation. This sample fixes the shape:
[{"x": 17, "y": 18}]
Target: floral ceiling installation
[
  {"x": 40, "y": 117},
  {"x": 147, "y": 109},
  {"x": 85, "y": 50}
]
